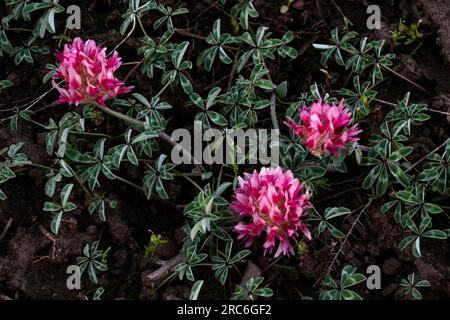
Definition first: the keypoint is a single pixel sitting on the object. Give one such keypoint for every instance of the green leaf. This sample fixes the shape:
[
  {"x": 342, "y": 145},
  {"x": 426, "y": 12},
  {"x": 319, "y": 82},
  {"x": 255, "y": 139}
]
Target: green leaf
[
  {"x": 435, "y": 234},
  {"x": 243, "y": 60},
  {"x": 335, "y": 232},
  {"x": 51, "y": 207},
  {"x": 282, "y": 89},
  {"x": 398, "y": 174},
  {"x": 186, "y": 84},
  {"x": 330, "y": 295},
  {"x": 5, "y": 84},
  {"x": 370, "y": 179},
  {"x": 350, "y": 295},
  {"x": 146, "y": 135},
  {"x": 353, "y": 280},
  {"x": 400, "y": 153},
  {"x": 382, "y": 181},
  {"x": 159, "y": 187},
  {"x": 56, "y": 223},
  {"x": 432, "y": 208},
  {"x": 416, "y": 294},
  {"x": 51, "y": 20},
  {"x": 328, "y": 281},
  {"x": 240, "y": 255},
  {"x": 65, "y": 194},
  {"x": 408, "y": 198},
  {"x": 331, "y": 213},
  {"x": 195, "y": 291},
  {"x": 264, "y": 84},
  {"x": 178, "y": 54},
  {"x": 217, "y": 118},
  {"x": 263, "y": 292}
]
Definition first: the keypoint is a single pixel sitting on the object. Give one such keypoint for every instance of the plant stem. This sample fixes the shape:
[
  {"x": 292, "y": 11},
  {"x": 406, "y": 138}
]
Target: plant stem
[
  {"x": 273, "y": 111},
  {"x": 77, "y": 178},
  {"x": 219, "y": 176},
  {"x": 168, "y": 279},
  {"x": 40, "y": 166},
  {"x": 347, "y": 236},
  {"x": 189, "y": 34},
  {"x": 189, "y": 179},
  {"x": 132, "y": 63},
  {"x": 37, "y": 123},
  {"x": 385, "y": 102},
  {"x": 20, "y": 29},
  {"x": 93, "y": 134},
  {"x": 439, "y": 111},
  {"x": 426, "y": 156},
  {"x": 126, "y": 37},
  {"x": 163, "y": 89},
  {"x": 121, "y": 116},
  {"x": 129, "y": 183},
  {"x": 406, "y": 79},
  {"x": 142, "y": 27}
]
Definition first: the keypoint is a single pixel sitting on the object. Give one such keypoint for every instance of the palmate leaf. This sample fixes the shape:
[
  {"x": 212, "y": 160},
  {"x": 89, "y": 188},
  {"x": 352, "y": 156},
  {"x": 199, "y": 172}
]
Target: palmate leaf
[
  {"x": 242, "y": 11},
  {"x": 93, "y": 260},
  {"x": 330, "y": 213},
  {"x": 379, "y": 61},
  {"x": 335, "y": 49},
  {"x": 153, "y": 179},
  {"x": 409, "y": 286},
  {"x": 219, "y": 42},
  {"x": 437, "y": 170},
  {"x": 348, "y": 279},
  {"x": 99, "y": 204},
  {"x": 360, "y": 99}
]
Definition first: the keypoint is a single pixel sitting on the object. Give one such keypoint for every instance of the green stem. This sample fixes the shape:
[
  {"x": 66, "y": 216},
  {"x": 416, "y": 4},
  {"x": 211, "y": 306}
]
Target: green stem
[
  {"x": 273, "y": 111},
  {"x": 233, "y": 48},
  {"x": 169, "y": 278},
  {"x": 142, "y": 27},
  {"x": 77, "y": 178},
  {"x": 219, "y": 177},
  {"x": 121, "y": 116},
  {"x": 40, "y": 166},
  {"x": 204, "y": 265},
  {"x": 132, "y": 63},
  {"x": 189, "y": 34},
  {"x": 20, "y": 29},
  {"x": 129, "y": 183},
  {"x": 93, "y": 134},
  {"x": 405, "y": 79},
  {"x": 163, "y": 89},
  {"x": 37, "y": 123},
  {"x": 189, "y": 179}
]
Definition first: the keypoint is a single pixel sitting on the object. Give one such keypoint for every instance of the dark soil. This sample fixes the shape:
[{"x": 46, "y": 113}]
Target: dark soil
[{"x": 33, "y": 263}]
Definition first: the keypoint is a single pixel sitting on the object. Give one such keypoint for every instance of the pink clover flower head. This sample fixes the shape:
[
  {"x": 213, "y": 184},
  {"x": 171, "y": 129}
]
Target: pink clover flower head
[
  {"x": 88, "y": 74},
  {"x": 325, "y": 128},
  {"x": 276, "y": 204}
]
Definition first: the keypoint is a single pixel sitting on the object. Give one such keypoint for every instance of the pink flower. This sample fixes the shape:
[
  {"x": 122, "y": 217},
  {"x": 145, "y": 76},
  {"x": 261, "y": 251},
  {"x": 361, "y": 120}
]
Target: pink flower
[
  {"x": 325, "y": 129},
  {"x": 88, "y": 73},
  {"x": 275, "y": 202}
]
